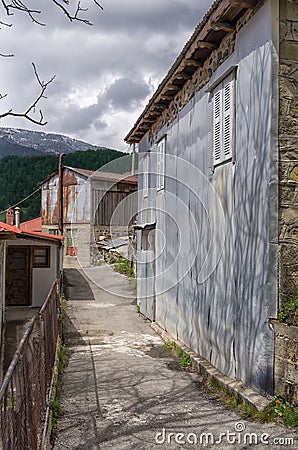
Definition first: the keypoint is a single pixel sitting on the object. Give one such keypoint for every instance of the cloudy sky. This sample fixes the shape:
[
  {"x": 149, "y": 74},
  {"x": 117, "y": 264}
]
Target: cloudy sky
[{"x": 105, "y": 74}]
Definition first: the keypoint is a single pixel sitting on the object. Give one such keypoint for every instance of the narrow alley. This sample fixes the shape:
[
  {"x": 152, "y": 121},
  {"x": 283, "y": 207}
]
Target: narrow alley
[{"x": 123, "y": 390}]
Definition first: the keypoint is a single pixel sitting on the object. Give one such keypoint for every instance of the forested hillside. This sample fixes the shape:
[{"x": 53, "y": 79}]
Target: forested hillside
[{"x": 19, "y": 177}]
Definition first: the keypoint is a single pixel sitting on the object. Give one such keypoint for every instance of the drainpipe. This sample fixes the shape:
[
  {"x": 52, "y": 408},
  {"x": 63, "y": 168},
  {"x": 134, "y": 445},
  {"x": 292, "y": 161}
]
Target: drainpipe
[
  {"x": 60, "y": 196},
  {"x": 17, "y": 217}
]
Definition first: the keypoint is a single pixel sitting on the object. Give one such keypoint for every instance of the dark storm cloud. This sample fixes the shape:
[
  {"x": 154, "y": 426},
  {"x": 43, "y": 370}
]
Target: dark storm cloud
[
  {"x": 122, "y": 94},
  {"x": 105, "y": 74},
  {"x": 125, "y": 93}
]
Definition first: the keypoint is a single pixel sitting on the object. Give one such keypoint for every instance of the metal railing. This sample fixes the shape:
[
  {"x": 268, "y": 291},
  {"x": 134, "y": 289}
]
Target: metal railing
[{"x": 24, "y": 388}]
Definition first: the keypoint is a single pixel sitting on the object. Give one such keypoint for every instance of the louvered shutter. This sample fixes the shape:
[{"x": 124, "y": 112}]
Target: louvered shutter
[
  {"x": 161, "y": 165},
  {"x": 223, "y": 120},
  {"x": 217, "y": 126},
  {"x": 228, "y": 102},
  {"x": 145, "y": 175},
  {"x": 158, "y": 168}
]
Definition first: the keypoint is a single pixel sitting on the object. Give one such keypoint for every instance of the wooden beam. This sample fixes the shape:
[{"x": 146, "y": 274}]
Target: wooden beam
[
  {"x": 158, "y": 108},
  {"x": 247, "y": 4},
  {"x": 181, "y": 77},
  {"x": 164, "y": 97},
  {"x": 193, "y": 62},
  {"x": 222, "y": 26},
  {"x": 208, "y": 45},
  {"x": 148, "y": 120},
  {"x": 171, "y": 88}
]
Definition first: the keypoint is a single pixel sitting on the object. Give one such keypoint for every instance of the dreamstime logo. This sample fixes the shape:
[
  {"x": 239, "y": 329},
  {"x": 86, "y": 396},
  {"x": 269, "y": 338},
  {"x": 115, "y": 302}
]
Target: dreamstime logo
[
  {"x": 187, "y": 225},
  {"x": 238, "y": 436}
]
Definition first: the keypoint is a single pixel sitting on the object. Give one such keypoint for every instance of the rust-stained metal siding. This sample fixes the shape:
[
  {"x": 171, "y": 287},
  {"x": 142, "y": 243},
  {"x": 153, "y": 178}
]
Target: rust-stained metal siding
[
  {"x": 88, "y": 200},
  {"x": 76, "y": 199}
]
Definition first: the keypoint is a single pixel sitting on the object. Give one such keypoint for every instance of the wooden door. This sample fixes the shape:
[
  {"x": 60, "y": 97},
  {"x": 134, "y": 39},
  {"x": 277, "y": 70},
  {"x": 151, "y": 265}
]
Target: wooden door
[{"x": 18, "y": 276}]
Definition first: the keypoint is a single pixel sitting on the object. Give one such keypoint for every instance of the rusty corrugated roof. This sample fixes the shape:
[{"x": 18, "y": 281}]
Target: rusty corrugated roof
[
  {"x": 106, "y": 176},
  {"x": 97, "y": 175}
]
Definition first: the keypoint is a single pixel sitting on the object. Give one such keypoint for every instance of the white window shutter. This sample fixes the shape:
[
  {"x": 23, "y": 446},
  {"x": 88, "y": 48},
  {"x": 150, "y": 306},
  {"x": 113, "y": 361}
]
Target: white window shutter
[
  {"x": 228, "y": 103},
  {"x": 158, "y": 169},
  {"x": 161, "y": 164},
  {"x": 217, "y": 126},
  {"x": 223, "y": 120},
  {"x": 146, "y": 175}
]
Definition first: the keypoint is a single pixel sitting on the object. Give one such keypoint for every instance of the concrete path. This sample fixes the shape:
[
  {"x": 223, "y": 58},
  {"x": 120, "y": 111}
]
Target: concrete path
[{"x": 122, "y": 390}]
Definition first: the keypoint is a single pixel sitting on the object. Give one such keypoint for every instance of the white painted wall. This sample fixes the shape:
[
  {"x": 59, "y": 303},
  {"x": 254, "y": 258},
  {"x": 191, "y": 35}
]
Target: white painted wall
[{"x": 42, "y": 277}]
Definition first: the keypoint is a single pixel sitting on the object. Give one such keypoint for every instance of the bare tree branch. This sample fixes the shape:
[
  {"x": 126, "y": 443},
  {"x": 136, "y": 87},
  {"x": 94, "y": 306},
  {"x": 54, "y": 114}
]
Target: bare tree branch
[
  {"x": 64, "y": 5},
  {"x": 5, "y": 24},
  {"x": 31, "y": 110},
  {"x": 73, "y": 14}
]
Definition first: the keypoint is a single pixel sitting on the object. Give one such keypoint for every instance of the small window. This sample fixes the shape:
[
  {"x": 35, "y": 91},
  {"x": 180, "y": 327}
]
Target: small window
[
  {"x": 41, "y": 257},
  {"x": 54, "y": 231},
  {"x": 146, "y": 175},
  {"x": 224, "y": 120},
  {"x": 161, "y": 153}
]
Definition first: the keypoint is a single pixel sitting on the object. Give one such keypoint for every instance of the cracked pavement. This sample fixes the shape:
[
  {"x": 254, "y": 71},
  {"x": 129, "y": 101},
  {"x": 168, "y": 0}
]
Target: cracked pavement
[{"x": 123, "y": 390}]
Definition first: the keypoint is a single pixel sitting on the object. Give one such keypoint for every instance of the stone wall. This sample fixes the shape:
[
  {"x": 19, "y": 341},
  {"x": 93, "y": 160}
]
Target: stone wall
[
  {"x": 286, "y": 337},
  {"x": 288, "y": 158},
  {"x": 286, "y": 362}
]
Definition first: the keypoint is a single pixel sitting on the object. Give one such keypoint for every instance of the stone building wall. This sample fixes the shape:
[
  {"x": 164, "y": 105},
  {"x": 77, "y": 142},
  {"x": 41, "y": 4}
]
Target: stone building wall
[
  {"x": 286, "y": 362},
  {"x": 286, "y": 337},
  {"x": 288, "y": 152}
]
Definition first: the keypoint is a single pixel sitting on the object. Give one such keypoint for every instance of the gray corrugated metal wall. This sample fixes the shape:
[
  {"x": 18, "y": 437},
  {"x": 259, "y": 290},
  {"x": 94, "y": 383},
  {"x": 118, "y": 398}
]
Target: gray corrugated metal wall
[{"x": 216, "y": 244}]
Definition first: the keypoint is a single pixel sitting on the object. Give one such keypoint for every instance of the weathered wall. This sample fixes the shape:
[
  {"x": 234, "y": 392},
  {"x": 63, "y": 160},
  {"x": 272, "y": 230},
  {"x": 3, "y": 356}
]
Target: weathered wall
[
  {"x": 288, "y": 162},
  {"x": 286, "y": 362},
  {"x": 216, "y": 230},
  {"x": 42, "y": 278},
  {"x": 76, "y": 199},
  {"x": 286, "y": 337}
]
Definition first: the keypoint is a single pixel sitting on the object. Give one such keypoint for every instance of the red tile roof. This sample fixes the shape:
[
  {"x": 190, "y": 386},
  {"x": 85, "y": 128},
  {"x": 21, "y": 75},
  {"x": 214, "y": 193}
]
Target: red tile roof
[
  {"x": 4, "y": 228},
  {"x": 32, "y": 225}
]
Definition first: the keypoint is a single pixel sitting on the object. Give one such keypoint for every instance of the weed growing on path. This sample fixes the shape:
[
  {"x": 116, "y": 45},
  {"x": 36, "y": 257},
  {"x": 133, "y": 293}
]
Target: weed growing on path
[
  {"x": 55, "y": 404},
  {"x": 276, "y": 411},
  {"x": 122, "y": 265}
]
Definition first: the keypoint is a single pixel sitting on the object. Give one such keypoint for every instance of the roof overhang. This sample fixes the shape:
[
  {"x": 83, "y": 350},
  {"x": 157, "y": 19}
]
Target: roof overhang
[
  {"x": 97, "y": 175},
  {"x": 219, "y": 21}
]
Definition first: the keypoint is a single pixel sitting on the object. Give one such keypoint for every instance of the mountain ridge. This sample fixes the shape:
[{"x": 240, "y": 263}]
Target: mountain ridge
[{"x": 22, "y": 142}]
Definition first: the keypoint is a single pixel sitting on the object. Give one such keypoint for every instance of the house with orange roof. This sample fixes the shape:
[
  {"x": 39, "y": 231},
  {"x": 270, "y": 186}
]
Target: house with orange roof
[{"x": 30, "y": 262}]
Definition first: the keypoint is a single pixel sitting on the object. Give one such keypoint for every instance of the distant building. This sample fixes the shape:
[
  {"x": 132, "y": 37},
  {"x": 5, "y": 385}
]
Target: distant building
[{"x": 94, "y": 204}]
